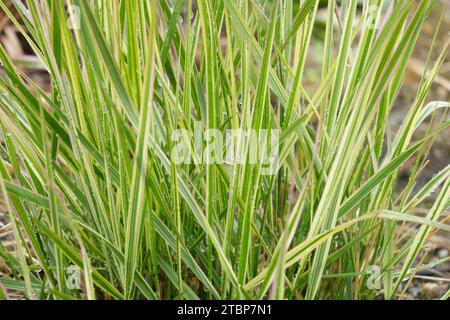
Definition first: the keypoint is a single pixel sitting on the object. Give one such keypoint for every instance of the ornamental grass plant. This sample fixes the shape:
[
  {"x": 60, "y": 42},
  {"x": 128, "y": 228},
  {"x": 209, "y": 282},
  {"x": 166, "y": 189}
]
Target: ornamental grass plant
[{"x": 100, "y": 206}]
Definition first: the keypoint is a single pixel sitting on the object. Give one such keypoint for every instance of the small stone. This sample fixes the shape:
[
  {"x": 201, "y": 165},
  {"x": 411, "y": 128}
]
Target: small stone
[
  {"x": 442, "y": 253},
  {"x": 430, "y": 290},
  {"x": 414, "y": 291}
]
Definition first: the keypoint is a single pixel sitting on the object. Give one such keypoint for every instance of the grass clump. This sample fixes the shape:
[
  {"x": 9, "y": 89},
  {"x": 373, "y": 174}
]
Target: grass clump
[{"x": 91, "y": 183}]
